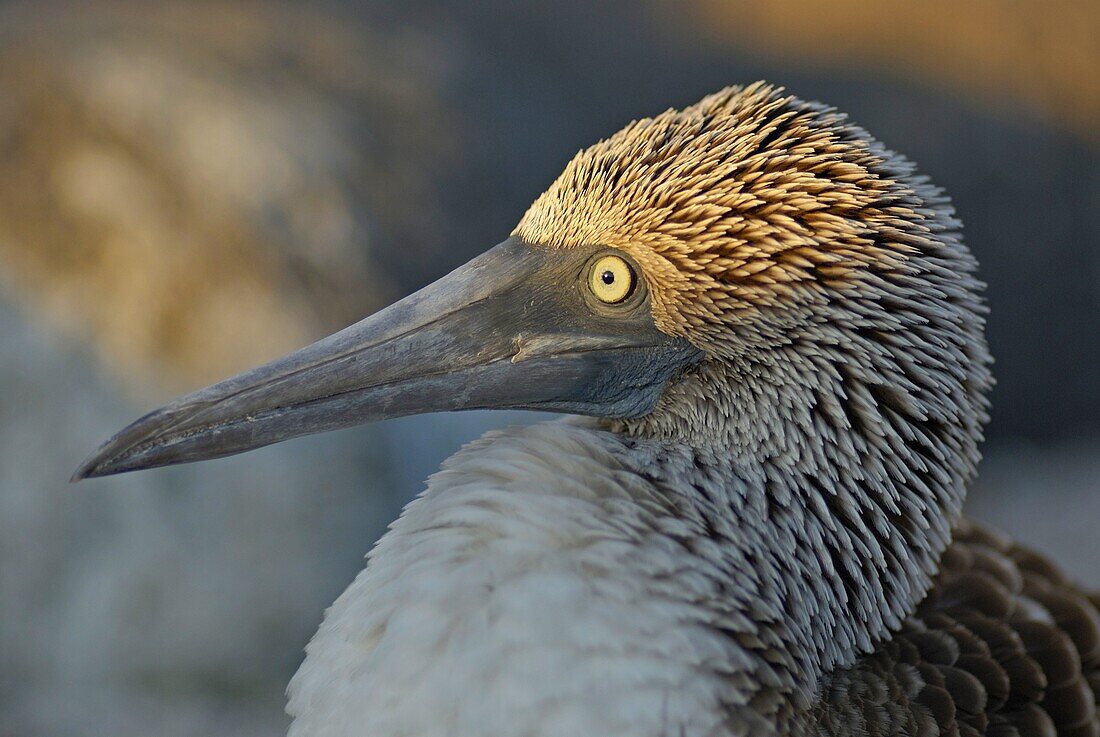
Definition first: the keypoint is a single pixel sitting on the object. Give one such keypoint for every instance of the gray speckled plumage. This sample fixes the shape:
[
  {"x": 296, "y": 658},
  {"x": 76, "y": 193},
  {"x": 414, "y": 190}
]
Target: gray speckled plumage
[
  {"x": 751, "y": 557},
  {"x": 793, "y": 493},
  {"x": 1002, "y": 645}
]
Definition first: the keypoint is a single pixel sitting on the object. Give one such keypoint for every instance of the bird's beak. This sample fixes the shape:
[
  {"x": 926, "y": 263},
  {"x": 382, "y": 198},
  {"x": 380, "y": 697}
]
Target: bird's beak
[{"x": 510, "y": 329}]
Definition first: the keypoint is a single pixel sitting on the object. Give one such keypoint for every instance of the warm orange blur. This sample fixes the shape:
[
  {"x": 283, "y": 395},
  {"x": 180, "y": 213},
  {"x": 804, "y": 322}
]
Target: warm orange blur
[
  {"x": 182, "y": 187},
  {"x": 1044, "y": 54}
]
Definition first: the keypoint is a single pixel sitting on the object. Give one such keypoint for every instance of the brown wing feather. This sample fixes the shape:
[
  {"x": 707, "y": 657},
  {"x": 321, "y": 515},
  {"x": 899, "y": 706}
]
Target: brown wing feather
[{"x": 1002, "y": 646}]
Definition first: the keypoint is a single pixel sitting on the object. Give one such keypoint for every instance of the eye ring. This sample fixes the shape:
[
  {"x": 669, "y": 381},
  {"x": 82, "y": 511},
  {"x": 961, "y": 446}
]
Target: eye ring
[{"x": 611, "y": 279}]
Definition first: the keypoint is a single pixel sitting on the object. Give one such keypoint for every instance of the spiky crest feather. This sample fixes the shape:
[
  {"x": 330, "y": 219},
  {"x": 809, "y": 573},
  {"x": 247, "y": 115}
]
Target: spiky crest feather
[{"x": 749, "y": 199}]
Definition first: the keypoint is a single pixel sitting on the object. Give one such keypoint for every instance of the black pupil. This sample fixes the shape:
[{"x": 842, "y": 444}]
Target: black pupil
[{"x": 608, "y": 277}]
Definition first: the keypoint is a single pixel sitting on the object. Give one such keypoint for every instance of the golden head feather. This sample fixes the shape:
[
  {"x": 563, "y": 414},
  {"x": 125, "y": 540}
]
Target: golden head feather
[{"x": 747, "y": 200}]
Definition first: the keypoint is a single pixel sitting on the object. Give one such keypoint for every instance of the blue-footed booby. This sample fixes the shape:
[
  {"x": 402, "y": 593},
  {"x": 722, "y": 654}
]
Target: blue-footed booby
[{"x": 769, "y": 337}]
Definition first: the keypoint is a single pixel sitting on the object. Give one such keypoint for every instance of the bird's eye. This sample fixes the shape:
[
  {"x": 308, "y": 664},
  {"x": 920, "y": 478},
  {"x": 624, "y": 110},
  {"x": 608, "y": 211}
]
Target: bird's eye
[{"x": 611, "y": 279}]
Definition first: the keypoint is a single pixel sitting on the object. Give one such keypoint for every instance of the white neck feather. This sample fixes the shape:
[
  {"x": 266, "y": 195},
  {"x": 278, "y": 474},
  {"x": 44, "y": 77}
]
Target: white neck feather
[{"x": 565, "y": 580}]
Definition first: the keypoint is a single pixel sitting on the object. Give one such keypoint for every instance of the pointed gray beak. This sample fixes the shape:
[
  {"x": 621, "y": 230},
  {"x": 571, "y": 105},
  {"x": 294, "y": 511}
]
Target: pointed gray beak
[{"x": 510, "y": 329}]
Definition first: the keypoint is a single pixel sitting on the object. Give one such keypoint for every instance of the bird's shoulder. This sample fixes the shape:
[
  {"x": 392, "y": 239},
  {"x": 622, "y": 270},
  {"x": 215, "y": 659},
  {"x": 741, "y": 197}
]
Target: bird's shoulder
[{"x": 1003, "y": 645}]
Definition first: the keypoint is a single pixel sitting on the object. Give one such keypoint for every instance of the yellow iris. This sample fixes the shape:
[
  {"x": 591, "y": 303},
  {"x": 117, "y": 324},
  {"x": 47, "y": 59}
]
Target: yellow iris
[{"x": 611, "y": 279}]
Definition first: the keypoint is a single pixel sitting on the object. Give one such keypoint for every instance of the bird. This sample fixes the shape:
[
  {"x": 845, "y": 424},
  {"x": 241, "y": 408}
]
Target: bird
[{"x": 767, "y": 338}]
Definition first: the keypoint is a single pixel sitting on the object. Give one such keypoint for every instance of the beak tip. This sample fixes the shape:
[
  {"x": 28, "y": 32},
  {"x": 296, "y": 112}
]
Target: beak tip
[
  {"x": 108, "y": 460},
  {"x": 91, "y": 468}
]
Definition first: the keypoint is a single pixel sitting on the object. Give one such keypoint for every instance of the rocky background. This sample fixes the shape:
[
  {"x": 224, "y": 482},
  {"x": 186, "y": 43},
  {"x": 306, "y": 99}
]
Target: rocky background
[{"x": 189, "y": 188}]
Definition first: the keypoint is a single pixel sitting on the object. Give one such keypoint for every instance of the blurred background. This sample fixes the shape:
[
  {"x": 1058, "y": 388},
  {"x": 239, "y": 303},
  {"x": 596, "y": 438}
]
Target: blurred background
[{"x": 188, "y": 189}]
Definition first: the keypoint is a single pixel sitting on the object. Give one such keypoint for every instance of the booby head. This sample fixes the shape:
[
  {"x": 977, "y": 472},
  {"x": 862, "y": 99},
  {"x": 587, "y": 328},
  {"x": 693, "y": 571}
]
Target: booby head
[{"x": 704, "y": 269}]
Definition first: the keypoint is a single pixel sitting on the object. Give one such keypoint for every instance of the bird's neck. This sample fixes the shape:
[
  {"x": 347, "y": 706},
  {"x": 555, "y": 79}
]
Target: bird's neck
[
  {"x": 584, "y": 582},
  {"x": 832, "y": 498}
]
